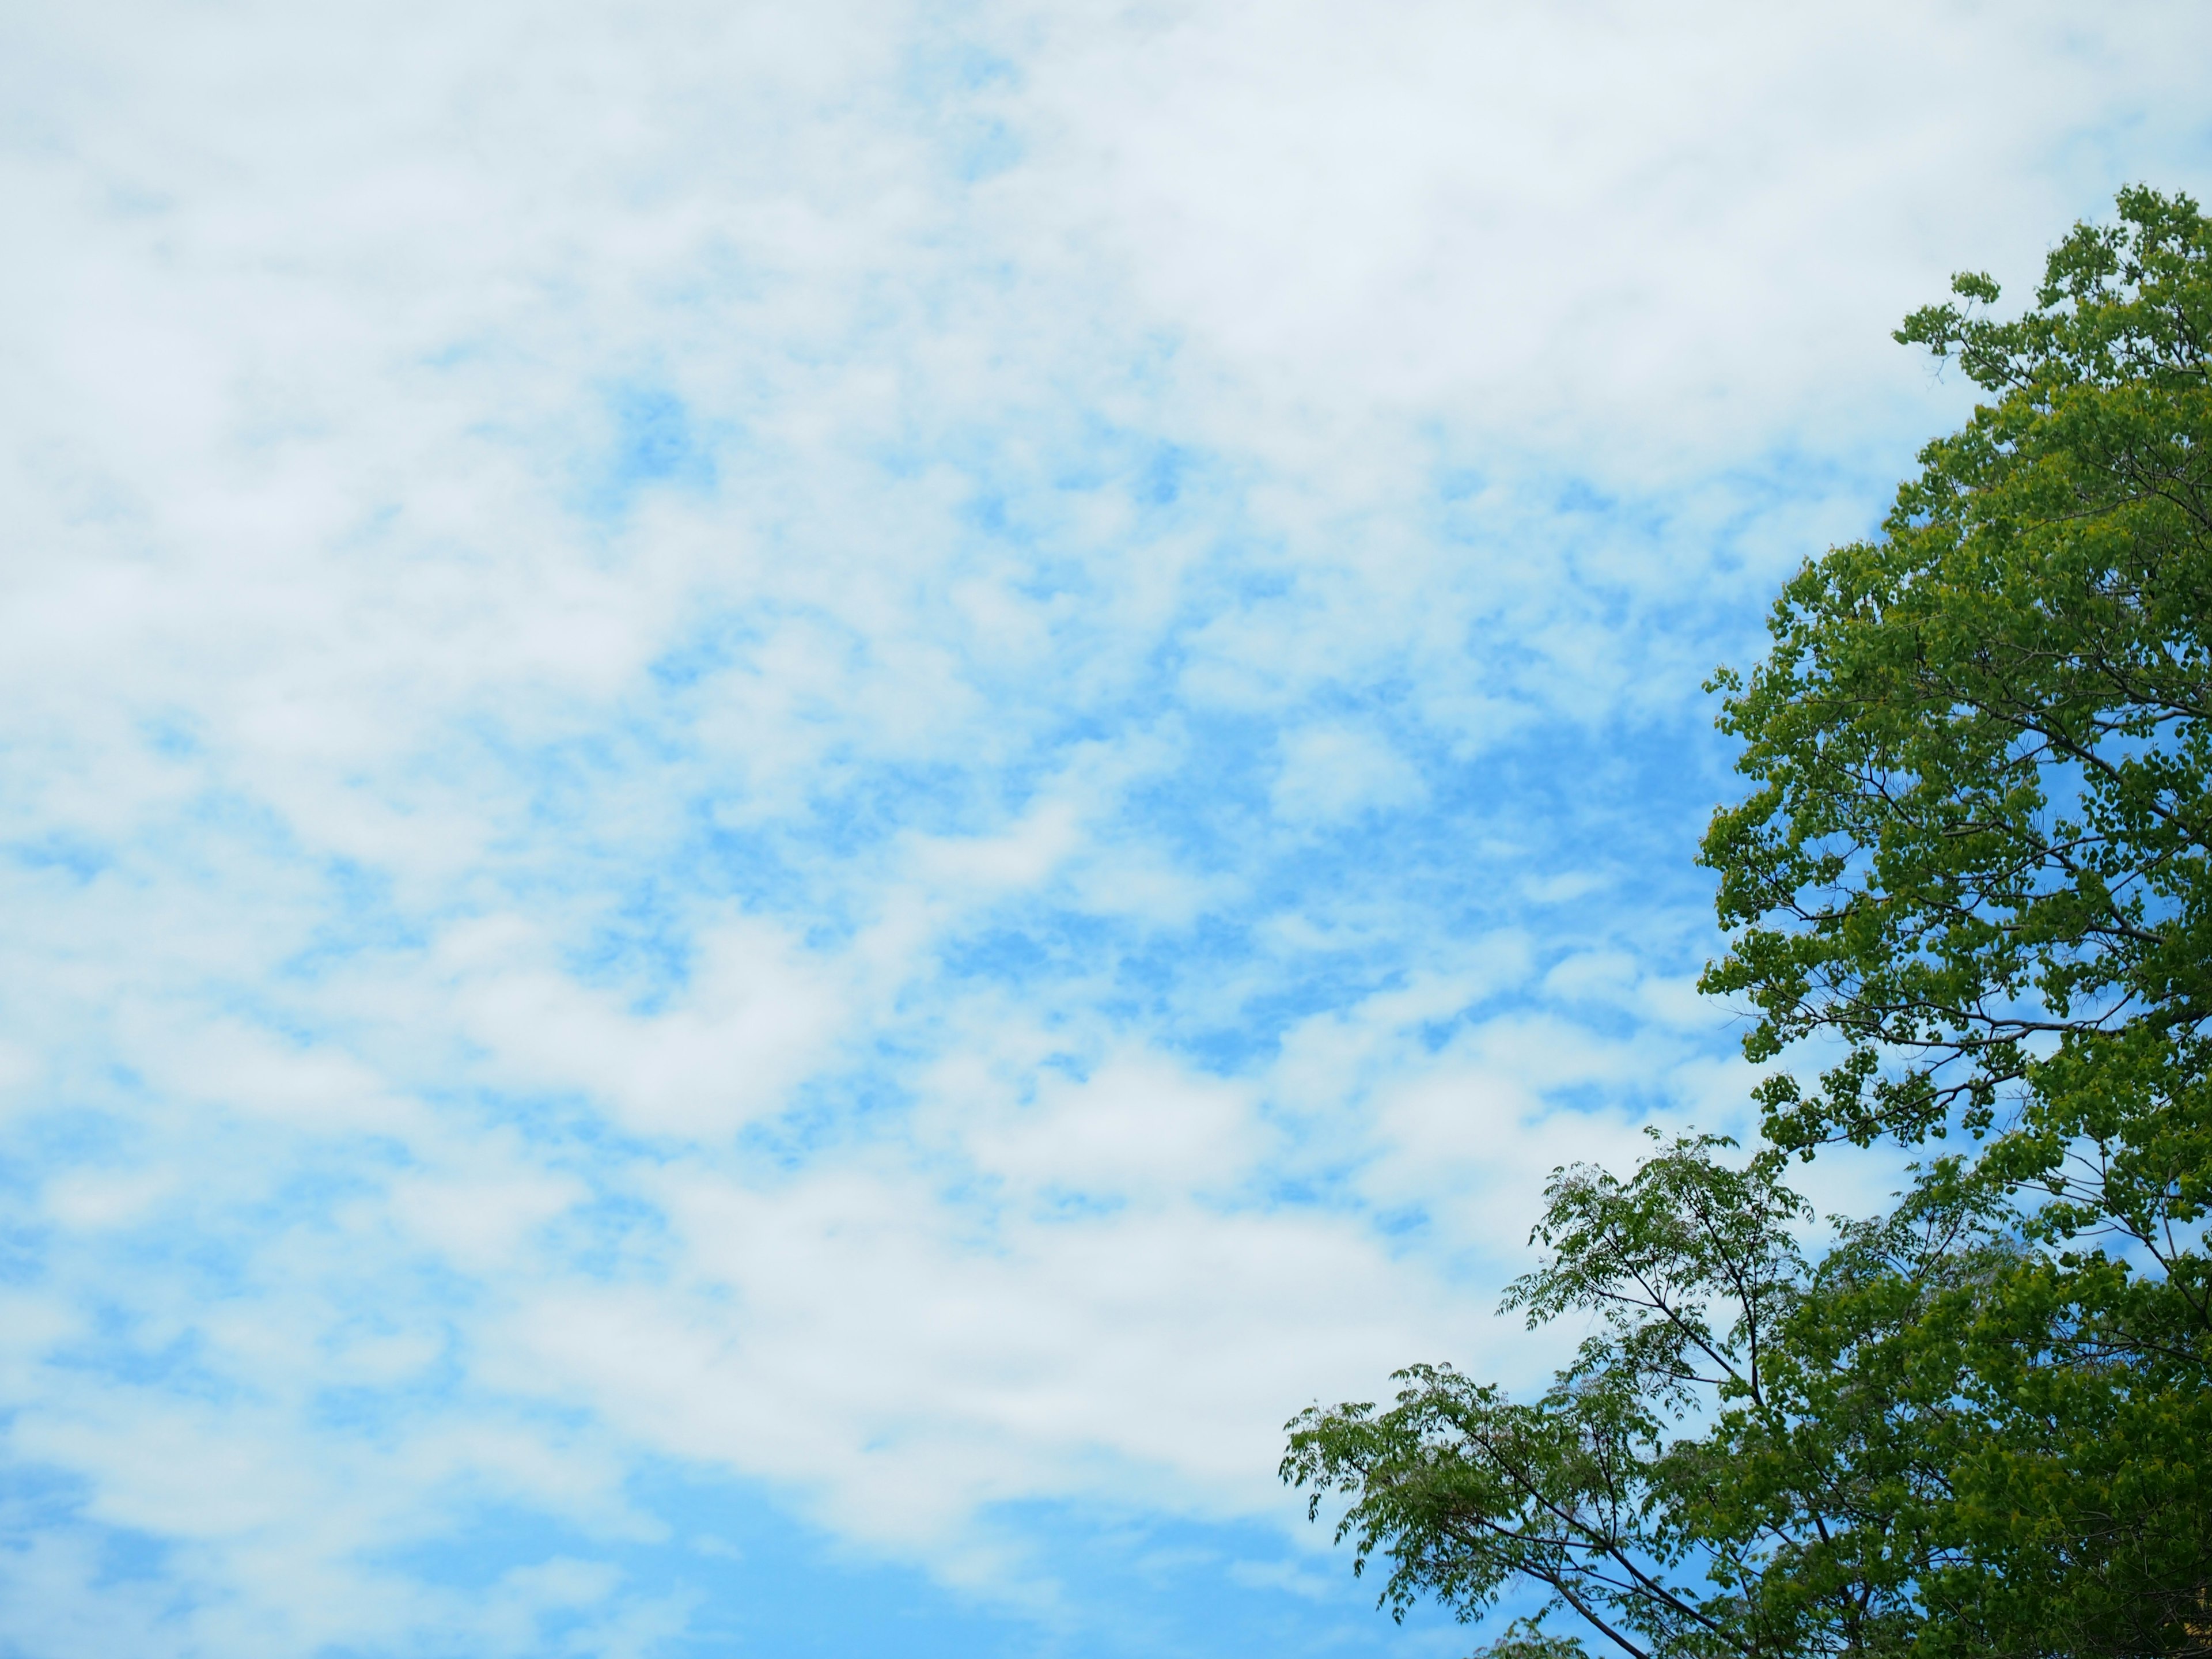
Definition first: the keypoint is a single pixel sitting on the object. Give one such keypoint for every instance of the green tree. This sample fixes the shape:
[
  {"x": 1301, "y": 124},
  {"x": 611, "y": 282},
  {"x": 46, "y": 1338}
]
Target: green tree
[
  {"x": 1973, "y": 872},
  {"x": 1747, "y": 1457}
]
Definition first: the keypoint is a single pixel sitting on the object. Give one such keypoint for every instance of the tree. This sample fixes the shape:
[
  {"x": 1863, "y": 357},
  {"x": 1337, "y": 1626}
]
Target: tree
[
  {"x": 1976, "y": 862},
  {"x": 1972, "y": 868}
]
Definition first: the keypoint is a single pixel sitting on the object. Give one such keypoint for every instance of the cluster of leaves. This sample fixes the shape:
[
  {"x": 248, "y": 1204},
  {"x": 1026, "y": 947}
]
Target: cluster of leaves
[
  {"x": 1973, "y": 868},
  {"x": 1983, "y": 743}
]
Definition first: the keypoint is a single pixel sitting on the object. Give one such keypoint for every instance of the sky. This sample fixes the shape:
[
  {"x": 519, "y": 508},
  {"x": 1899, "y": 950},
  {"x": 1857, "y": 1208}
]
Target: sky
[{"x": 792, "y": 798}]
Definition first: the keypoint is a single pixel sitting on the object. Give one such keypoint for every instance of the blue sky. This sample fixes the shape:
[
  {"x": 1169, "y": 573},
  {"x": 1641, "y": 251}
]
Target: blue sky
[{"x": 792, "y": 798}]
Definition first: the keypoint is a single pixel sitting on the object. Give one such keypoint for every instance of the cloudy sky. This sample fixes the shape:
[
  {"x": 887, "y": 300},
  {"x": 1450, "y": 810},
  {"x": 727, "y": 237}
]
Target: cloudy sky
[{"x": 791, "y": 798}]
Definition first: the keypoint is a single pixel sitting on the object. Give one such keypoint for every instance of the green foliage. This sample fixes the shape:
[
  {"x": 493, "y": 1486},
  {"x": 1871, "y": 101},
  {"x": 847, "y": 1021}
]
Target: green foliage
[
  {"x": 1976, "y": 857},
  {"x": 1976, "y": 862},
  {"x": 1795, "y": 1521},
  {"x": 1972, "y": 870}
]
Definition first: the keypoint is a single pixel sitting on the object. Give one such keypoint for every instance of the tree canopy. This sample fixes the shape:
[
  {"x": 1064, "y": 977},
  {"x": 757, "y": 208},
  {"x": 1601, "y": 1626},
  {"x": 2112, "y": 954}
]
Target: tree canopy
[{"x": 1970, "y": 878}]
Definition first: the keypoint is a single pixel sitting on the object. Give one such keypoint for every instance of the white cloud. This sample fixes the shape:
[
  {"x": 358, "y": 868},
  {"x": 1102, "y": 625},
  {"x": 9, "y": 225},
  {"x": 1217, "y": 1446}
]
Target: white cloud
[
  {"x": 849, "y": 1336},
  {"x": 754, "y": 1019},
  {"x": 1136, "y": 1125},
  {"x": 1670, "y": 231},
  {"x": 1330, "y": 772}
]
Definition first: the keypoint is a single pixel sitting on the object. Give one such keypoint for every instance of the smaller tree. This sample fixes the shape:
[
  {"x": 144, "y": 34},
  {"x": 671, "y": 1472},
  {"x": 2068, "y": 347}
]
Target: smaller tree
[{"x": 1742, "y": 1460}]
